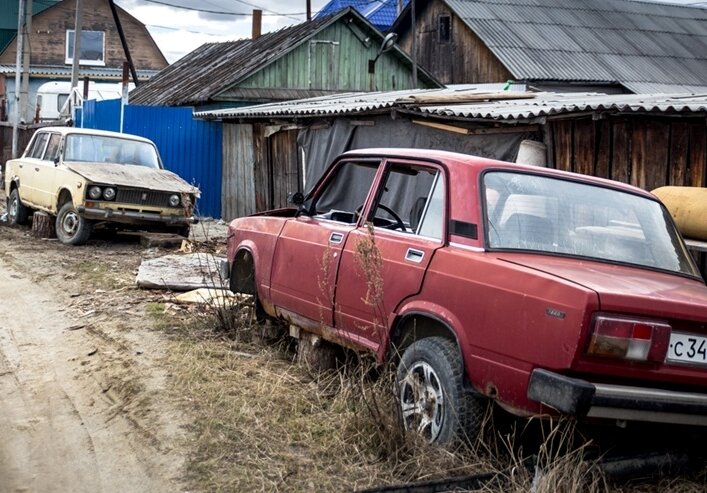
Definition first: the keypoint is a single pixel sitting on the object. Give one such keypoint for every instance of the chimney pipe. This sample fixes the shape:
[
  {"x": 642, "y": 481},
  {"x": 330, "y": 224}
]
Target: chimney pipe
[
  {"x": 257, "y": 22},
  {"x": 309, "y": 10}
]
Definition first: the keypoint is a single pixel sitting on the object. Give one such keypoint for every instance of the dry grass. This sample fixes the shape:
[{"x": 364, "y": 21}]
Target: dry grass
[{"x": 262, "y": 423}]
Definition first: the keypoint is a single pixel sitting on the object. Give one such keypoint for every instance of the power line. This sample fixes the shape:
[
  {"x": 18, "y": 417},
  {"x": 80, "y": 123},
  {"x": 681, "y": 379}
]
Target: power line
[{"x": 222, "y": 12}]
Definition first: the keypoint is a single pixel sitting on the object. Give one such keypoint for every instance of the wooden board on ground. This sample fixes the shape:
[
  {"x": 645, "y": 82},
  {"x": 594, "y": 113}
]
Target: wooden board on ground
[
  {"x": 181, "y": 272},
  {"x": 150, "y": 240},
  {"x": 211, "y": 296}
]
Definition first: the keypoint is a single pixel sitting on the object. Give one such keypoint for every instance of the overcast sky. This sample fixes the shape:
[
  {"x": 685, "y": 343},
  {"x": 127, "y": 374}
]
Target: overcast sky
[{"x": 179, "y": 31}]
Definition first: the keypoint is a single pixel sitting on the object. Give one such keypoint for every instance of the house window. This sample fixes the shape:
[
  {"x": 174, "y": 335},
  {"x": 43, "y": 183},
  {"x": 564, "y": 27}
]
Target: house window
[
  {"x": 92, "y": 47},
  {"x": 445, "y": 29}
]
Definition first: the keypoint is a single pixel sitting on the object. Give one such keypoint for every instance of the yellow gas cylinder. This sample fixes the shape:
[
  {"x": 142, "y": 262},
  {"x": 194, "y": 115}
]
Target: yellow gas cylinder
[{"x": 688, "y": 206}]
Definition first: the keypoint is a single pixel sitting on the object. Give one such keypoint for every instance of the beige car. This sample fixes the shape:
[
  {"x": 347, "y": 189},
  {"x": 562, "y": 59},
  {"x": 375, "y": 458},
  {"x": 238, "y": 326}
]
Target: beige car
[{"x": 89, "y": 177}]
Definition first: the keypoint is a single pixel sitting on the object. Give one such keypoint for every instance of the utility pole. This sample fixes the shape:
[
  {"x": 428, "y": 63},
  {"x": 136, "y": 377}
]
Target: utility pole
[
  {"x": 77, "y": 47},
  {"x": 24, "y": 89},
  {"x": 414, "y": 44},
  {"x": 123, "y": 41},
  {"x": 18, "y": 70}
]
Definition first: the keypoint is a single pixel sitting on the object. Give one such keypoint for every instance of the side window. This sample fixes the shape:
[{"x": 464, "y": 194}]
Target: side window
[
  {"x": 432, "y": 224},
  {"x": 37, "y": 149},
  {"x": 346, "y": 191},
  {"x": 411, "y": 200},
  {"x": 52, "y": 147}
]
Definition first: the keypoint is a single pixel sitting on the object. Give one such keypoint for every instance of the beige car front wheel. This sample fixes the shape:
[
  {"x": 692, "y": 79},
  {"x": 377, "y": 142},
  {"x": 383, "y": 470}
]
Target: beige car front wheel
[{"x": 71, "y": 227}]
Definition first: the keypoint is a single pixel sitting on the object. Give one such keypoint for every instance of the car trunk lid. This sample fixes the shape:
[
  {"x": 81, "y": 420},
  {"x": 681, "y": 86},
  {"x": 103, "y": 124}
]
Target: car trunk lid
[{"x": 627, "y": 289}]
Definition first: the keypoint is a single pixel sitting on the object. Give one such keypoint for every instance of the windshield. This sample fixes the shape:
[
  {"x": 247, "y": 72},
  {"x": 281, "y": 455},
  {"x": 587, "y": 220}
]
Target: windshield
[
  {"x": 529, "y": 212},
  {"x": 102, "y": 149}
]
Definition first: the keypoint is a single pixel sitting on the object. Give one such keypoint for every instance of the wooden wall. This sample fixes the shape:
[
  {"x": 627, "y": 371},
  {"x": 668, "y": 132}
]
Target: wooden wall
[
  {"x": 261, "y": 167},
  {"x": 48, "y": 36},
  {"x": 645, "y": 151},
  {"x": 238, "y": 173},
  {"x": 464, "y": 60}
]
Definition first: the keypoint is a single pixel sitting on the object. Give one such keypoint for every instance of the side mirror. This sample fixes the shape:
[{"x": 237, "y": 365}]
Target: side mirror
[
  {"x": 296, "y": 198},
  {"x": 56, "y": 160}
]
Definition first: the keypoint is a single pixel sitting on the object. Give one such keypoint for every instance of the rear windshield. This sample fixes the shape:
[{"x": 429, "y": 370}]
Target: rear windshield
[
  {"x": 103, "y": 149},
  {"x": 537, "y": 213}
]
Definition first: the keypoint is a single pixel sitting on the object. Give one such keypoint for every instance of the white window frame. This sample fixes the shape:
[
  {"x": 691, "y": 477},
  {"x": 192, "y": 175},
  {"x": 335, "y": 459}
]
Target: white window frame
[{"x": 69, "y": 57}]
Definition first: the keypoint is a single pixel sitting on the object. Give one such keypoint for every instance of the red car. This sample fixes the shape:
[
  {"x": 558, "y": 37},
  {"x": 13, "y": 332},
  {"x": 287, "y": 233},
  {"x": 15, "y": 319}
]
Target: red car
[{"x": 546, "y": 292}]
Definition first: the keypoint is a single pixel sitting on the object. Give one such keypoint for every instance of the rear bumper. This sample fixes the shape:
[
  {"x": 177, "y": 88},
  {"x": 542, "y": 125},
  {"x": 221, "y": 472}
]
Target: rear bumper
[
  {"x": 581, "y": 398},
  {"x": 134, "y": 217}
]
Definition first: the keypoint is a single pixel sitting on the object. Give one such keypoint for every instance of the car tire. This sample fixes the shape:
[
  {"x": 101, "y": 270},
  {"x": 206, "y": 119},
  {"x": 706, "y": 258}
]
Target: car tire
[
  {"x": 17, "y": 212},
  {"x": 71, "y": 227},
  {"x": 432, "y": 397}
]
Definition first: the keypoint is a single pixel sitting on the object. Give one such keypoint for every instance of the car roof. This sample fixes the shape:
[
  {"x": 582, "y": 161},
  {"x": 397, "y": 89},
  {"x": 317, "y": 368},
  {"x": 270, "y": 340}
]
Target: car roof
[
  {"x": 483, "y": 163},
  {"x": 91, "y": 131}
]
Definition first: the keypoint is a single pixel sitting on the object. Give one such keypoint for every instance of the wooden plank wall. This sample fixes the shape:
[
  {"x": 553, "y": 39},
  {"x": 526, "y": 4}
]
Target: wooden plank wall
[
  {"x": 644, "y": 151},
  {"x": 48, "y": 36},
  {"x": 25, "y": 135},
  {"x": 238, "y": 173},
  {"x": 277, "y": 170},
  {"x": 284, "y": 160},
  {"x": 466, "y": 59}
]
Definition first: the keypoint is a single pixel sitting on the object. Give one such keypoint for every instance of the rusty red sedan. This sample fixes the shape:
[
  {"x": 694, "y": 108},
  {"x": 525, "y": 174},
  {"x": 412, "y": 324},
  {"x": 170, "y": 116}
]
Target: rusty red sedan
[{"x": 542, "y": 291}]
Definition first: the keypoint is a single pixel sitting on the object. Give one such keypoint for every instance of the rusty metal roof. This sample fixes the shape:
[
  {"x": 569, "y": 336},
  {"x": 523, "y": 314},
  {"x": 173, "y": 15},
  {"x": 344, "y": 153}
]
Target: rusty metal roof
[
  {"x": 623, "y": 42},
  {"x": 501, "y": 107}
]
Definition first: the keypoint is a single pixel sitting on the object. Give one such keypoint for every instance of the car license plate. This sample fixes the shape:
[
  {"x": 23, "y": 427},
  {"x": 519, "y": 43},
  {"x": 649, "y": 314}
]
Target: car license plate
[{"x": 687, "y": 348}]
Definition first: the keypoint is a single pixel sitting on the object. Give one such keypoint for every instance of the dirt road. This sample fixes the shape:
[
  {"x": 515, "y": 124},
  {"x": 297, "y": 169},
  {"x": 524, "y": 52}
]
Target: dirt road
[{"x": 79, "y": 374}]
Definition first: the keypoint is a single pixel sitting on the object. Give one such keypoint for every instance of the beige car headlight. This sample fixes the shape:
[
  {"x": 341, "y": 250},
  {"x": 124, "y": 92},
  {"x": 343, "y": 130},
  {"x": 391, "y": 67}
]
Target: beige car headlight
[
  {"x": 174, "y": 200},
  {"x": 94, "y": 193},
  {"x": 109, "y": 193}
]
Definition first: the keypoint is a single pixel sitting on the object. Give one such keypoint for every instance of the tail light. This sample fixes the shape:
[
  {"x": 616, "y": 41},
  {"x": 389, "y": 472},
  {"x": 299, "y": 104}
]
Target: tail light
[{"x": 632, "y": 339}]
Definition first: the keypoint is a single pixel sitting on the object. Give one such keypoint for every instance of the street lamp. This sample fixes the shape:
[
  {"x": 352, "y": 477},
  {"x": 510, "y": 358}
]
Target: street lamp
[{"x": 386, "y": 45}]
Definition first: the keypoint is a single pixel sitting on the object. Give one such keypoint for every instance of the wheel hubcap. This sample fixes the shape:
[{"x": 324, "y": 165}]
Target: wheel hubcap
[
  {"x": 12, "y": 210},
  {"x": 422, "y": 401},
  {"x": 70, "y": 223}
]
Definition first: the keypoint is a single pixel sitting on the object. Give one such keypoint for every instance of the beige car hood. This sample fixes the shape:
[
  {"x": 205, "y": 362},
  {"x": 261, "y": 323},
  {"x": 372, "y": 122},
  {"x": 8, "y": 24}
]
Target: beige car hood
[{"x": 132, "y": 176}]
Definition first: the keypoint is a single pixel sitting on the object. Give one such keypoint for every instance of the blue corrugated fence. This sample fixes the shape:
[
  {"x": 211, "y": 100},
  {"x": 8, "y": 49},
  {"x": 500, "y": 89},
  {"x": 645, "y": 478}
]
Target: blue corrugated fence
[{"x": 191, "y": 148}]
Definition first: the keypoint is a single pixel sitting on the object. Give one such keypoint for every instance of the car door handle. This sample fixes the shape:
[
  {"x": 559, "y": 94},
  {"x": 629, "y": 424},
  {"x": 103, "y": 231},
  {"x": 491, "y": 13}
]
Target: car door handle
[
  {"x": 413, "y": 255},
  {"x": 336, "y": 238}
]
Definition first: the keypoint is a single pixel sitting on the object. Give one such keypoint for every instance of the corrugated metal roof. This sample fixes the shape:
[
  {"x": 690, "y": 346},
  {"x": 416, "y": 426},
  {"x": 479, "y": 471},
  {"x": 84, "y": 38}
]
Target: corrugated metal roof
[
  {"x": 612, "y": 41},
  {"x": 65, "y": 71},
  {"x": 537, "y": 105}
]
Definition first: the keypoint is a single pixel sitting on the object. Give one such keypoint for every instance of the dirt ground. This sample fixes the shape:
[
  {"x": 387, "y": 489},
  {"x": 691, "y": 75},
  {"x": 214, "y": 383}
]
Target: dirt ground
[{"x": 83, "y": 405}]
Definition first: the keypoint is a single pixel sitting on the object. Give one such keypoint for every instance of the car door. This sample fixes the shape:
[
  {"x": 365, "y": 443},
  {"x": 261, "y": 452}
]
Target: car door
[
  {"x": 308, "y": 250},
  {"x": 385, "y": 260},
  {"x": 27, "y": 170},
  {"x": 44, "y": 171}
]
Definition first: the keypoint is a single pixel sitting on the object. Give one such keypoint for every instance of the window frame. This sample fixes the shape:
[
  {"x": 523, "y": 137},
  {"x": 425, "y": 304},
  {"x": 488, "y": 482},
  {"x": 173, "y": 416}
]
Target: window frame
[
  {"x": 438, "y": 180},
  {"x": 448, "y": 19},
  {"x": 69, "y": 55}
]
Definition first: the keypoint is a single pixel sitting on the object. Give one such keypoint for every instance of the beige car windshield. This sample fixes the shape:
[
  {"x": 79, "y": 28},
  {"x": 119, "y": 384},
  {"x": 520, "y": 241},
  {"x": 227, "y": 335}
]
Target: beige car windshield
[{"x": 103, "y": 149}]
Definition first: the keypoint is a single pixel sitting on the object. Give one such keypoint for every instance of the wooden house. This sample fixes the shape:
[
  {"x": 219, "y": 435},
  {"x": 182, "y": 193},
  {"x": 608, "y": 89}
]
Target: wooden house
[
  {"x": 609, "y": 46},
  {"x": 51, "y": 39},
  {"x": 328, "y": 55}
]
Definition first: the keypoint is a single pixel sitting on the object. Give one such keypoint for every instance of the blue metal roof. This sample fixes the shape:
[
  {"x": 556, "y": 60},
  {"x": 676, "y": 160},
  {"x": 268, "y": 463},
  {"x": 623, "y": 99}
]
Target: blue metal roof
[{"x": 380, "y": 13}]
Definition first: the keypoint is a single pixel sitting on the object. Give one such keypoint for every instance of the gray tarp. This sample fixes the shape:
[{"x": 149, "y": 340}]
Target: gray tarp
[{"x": 322, "y": 145}]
